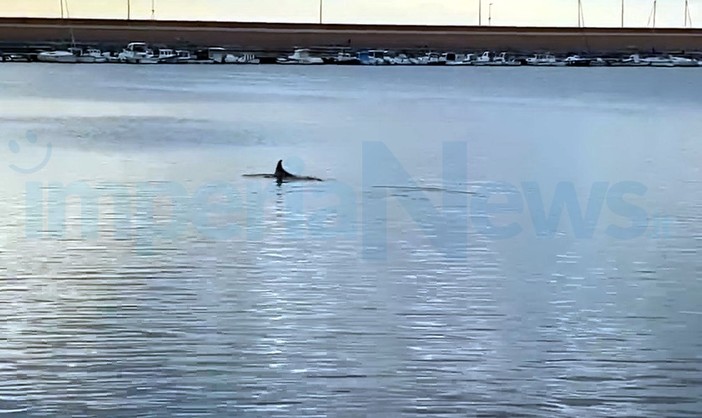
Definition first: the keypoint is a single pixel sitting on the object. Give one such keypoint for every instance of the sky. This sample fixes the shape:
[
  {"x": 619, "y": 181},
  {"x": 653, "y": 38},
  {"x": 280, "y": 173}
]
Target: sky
[{"x": 670, "y": 13}]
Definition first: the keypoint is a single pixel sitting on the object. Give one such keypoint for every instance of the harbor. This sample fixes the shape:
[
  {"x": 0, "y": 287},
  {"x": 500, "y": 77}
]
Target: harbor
[
  {"x": 149, "y": 41},
  {"x": 141, "y": 53}
]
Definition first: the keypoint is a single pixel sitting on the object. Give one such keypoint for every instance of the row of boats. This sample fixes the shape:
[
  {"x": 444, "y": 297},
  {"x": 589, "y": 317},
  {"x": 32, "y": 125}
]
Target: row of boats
[{"x": 141, "y": 53}]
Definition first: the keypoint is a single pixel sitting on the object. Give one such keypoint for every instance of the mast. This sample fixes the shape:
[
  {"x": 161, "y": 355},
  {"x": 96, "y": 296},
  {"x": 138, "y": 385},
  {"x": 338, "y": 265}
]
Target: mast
[
  {"x": 688, "y": 18},
  {"x": 480, "y": 12},
  {"x": 70, "y": 27},
  {"x": 581, "y": 18},
  {"x": 153, "y": 9},
  {"x": 61, "y": 1},
  {"x": 129, "y": 10},
  {"x": 321, "y": 10},
  {"x": 490, "y": 14},
  {"x": 622, "y": 13}
]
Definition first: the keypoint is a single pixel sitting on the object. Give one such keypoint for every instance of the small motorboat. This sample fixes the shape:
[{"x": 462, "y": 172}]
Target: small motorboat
[
  {"x": 577, "y": 61},
  {"x": 137, "y": 53},
  {"x": 300, "y": 56}
]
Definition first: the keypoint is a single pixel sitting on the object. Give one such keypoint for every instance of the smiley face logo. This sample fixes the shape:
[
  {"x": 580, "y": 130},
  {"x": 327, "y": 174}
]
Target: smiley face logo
[{"x": 16, "y": 149}]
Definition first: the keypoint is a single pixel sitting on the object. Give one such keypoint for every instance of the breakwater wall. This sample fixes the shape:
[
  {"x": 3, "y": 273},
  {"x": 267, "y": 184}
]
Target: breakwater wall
[{"x": 286, "y": 36}]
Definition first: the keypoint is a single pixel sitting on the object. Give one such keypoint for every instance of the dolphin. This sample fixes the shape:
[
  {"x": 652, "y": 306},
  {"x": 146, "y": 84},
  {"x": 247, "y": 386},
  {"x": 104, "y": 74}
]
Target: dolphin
[{"x": 281, "y": 175}]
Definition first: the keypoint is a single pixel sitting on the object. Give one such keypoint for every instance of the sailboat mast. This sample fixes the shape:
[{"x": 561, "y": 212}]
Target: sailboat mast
[
  {"x": 579, "y": 13},
  {"x": 480, "y": 12},
  {"x": 61, "y": 1},
  {"x": 129, "y": 10},
  {"x": 153, "y": 9},
  {"x": 655, "y": 3},
  {"x": 622, "y": 13},
  {"x": 321, "y": 11}
]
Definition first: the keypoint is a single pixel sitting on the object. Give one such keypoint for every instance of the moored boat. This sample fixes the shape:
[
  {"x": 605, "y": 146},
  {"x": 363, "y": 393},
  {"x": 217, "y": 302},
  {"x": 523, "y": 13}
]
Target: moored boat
[
  {"x": 453, "y": 59},
  {"x": 659, "y": 61},
  {"x": 577, "y": 61},
  {"x": 683, "y": 62},
  {"x": 59, "y": 57},
  {"x": 544, "y": 60},
  {"x": 346, "y": 58},
  {"x": 633, "y": 60},
  {"x": 501, "y": 60},
  {"x": 300, "y": 56},
  {"x": 485, "y": 59},
  {"x": 137, "y": 53}
]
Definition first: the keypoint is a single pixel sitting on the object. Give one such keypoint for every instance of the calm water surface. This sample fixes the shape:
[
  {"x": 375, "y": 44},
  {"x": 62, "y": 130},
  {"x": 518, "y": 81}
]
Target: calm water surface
[{"x": 181, "y": 288}]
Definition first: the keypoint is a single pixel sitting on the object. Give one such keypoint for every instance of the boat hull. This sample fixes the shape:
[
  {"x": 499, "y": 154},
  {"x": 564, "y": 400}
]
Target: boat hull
[{"x": 57, "y": 58}]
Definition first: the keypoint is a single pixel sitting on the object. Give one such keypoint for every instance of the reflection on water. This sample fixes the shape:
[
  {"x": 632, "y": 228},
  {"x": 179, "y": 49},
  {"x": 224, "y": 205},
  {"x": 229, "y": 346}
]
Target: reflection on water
[{"x": 142, "y": 274}]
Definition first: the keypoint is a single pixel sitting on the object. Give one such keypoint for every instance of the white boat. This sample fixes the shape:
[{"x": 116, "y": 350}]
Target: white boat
[
  {"x": 137, "y": 53},
  {"x": 63, "y": 57},
  {"x": 245, "y": 58},
  {"x": 345, "y": 58},
  {"x": 577, "y": 61},
  {"x": 501, "y": 61},
  {"x": 165, "y": 55},
  {"x": 658, "y": 61},
  {"x": 401, "y": 59},
  {"x": 373, "y": 57},
  {"x": 544, "y": 60},
  {"x": 89, "y": 55},
  {"x": 598, "y": 62},
  {"x": 216, "y": 54},
  {"x": 183, "y": 56},
  {"x": 484, "y": 59},
  {"x": 379, "y": 56},
  {"x": 430, "y": 58},
  {"x": 633, "y": 60},
  {"x": 684, "y": 62},
  {"x": 110, "y": 57},
  {"x": 453, "y": 59},
  {"x": 301, "y": 56},
  {"x": 168, "y": 56}
]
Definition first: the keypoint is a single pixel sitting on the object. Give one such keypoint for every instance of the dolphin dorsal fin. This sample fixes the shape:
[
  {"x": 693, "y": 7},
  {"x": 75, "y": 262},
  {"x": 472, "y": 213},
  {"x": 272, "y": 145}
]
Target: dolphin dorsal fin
[{"x": 279, "y": 170}]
